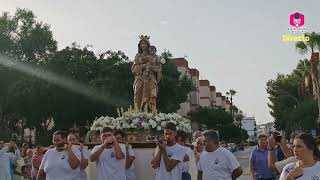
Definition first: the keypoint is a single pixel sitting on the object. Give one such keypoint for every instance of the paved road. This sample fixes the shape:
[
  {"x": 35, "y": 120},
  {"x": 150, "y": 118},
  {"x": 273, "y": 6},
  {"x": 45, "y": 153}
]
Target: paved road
[{"x": 243, "y": 158}]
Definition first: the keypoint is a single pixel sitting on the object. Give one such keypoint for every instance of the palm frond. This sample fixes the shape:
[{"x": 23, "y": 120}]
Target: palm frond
[{"x": 302, "y": 47}]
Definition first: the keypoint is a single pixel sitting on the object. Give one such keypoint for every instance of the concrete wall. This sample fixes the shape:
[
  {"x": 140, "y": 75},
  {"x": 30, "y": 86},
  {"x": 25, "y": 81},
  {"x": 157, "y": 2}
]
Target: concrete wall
[
  {"x": 204, "y": 93},
  {"x": 219, "y": 101},
  {"x": 249, "y": 124},
  {"x": 213, "y": 97}
]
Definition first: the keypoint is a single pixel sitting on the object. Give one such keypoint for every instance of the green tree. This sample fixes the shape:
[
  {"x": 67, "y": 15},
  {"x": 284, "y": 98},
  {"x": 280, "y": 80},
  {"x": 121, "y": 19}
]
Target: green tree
[
  {"x": 304, "y": 47},
  {"x": 288, "y": 105},
  {"x": 231, "y": 93},
  {"x": 305, "y": 114},
  {"x": 173, "y": 88},
  {"x": 22, "y": 39},
  {"x": 232, "y": 133},
  {"x": 312, "y": 46},
  {"x": 283, "y": 92},
  {"x": 219, "y": 119},
  {"x": 71, "y": 86},
  {"x": 303, "y": 73}
]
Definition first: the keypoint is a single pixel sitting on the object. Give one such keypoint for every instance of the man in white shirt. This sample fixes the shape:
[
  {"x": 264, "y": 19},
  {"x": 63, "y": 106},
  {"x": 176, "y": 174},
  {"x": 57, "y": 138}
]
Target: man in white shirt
[
  {"x": 60, "y": 162},
  {"x": 130, "y": 156},
  {"x": 109, "y": 157},
  {"x": 6, "y": 157},
  {"x": 217, "y": 162},
  {"x": 73, "y": 139},
  {"x": 181, "y": 139},
  {"x": 168, "y": 155}
]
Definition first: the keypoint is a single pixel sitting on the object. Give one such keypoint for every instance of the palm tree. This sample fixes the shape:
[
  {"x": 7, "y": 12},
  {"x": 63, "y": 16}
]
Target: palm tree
[
  {"x": 302, "y": 71},
  {"x": 231, "y": 93},
  {"x": 304, "y": 47},
  {"x": 311, "y": 46}
]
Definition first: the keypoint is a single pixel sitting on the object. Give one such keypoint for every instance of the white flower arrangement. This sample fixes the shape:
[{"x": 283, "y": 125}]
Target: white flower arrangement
[{"x": 131, "y": 120}]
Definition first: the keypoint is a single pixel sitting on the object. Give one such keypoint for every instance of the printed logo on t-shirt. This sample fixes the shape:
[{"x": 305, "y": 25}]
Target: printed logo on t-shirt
[
  {"x": 63, "y": 156},
  {"x": 216, "y": 161},
  {"x": 315, "y": 177},
  {"x": 170, "y": 155},
  {"x": 289, "y": 169},
  {"x": 112, "y": 155}
]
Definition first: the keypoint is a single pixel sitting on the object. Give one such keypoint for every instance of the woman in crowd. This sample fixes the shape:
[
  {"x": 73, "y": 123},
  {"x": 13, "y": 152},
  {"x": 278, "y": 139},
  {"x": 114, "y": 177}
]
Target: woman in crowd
[
  {"x": 198, "y": 148},
  {"x": 28, "y": 159},
  {"x": 24, "y": 149},
  {"x": 36, "y": 161},
  {"x": 307, "y": 153}
]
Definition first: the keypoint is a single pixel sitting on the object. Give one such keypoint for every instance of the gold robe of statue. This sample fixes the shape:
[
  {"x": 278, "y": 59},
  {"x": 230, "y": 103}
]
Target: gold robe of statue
[{"x": 147, "y": 73}]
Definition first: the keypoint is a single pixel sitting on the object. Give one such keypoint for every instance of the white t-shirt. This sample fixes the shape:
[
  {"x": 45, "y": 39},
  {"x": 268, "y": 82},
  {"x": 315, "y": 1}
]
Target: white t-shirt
[
  {"x": 281, "y": 164},
  {"x": 197, "y": 162},
  {"x": 310, "y": 173},
  {"x": 175, "y": 152},
  {"x": 185, "y": 165},
  {"x": 83, "y": 174},
  {"x": 108, "y": 167},
  {"x": 130, "y": 174},
  {"x": 56, "y": 166},
  {"x": 218, "y": 164}
]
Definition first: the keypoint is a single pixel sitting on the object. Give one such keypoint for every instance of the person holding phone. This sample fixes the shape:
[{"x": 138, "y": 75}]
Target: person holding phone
[
  {"x": 279, "y": 153},
  {"x": 6, "y": 157},
  {"x": 307, "y": 153},
  {"x": 61, "y": 162},
  {"x": 168, "y": 155},
  {"x": 275, "y": 142},
  {"x": 109, "y": 157},
  {"x": 130, "y": 155},
  {"x": 74, "y": 139}
]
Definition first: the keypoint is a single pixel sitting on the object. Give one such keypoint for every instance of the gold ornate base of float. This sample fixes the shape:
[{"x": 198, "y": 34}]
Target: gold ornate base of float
[{"x": 142, "y": 136}]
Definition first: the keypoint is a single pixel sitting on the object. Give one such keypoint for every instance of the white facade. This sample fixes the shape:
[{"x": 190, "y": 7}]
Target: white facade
[
  {"x": 266, "y": 129},
  {"x": 249, "y": 124},
  {"x": 182, "y": 67},
  {"x": 204, "y": 91},
  {"x": 194, "y": 95},
  {"x": 261, "y": 129},
  {"x": 218, "y": 100},
  {"x": 213, "y": 95}
]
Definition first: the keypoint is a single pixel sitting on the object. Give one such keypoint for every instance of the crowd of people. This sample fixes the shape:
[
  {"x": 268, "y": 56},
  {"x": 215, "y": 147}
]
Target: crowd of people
[
  {"x": 273, "y": 158},
  {"x": 114, "y": 157}
]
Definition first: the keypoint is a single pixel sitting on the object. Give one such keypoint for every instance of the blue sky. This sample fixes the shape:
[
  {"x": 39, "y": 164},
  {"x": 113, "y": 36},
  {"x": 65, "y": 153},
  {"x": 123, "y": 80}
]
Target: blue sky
[{"x": 234, "y": 44}]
